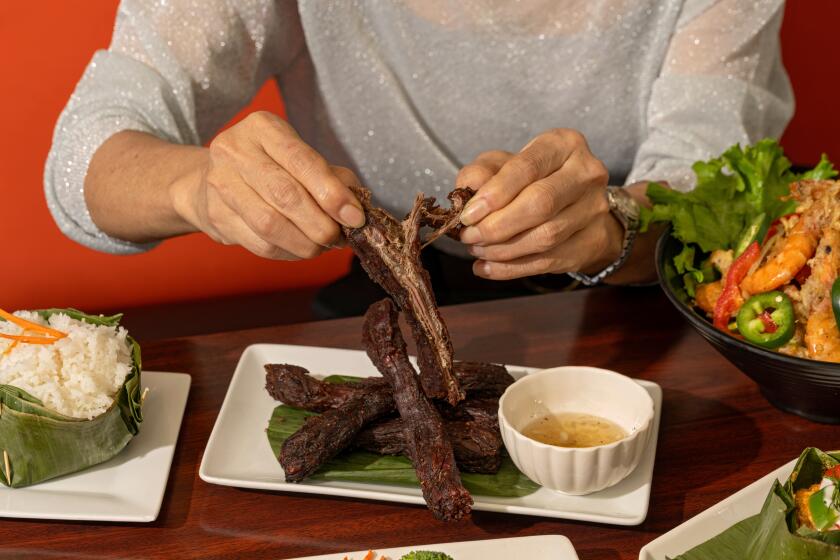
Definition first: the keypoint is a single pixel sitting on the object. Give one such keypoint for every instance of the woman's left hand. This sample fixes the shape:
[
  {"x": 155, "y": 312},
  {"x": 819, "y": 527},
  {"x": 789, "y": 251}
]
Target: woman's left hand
[{"x": 543, "y": 210}]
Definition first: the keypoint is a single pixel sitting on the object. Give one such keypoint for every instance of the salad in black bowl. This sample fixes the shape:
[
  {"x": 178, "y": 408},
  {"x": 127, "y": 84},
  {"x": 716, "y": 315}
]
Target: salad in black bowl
[{"x": 751, "y": 259}]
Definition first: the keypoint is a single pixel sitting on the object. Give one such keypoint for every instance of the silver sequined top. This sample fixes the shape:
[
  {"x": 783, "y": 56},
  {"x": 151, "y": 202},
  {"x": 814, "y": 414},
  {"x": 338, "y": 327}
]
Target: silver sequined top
[{"x": 406, "y": 92}]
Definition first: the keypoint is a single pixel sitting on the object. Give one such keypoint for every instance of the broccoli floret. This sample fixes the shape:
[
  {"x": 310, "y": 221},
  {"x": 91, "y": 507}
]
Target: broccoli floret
[{"x": 426, "y": 555}]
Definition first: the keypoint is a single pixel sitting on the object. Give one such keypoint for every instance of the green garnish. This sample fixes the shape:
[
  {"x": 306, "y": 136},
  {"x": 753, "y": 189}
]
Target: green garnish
[{"x": 426, "y": 555}]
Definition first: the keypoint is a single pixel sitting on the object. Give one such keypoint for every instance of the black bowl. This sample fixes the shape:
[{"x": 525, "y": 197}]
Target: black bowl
[{"x": 808, "y": 388}]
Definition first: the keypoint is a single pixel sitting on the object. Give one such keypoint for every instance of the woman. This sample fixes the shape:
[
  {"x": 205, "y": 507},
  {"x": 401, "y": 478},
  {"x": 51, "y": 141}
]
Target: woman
[{"x": 533, "y": 103}]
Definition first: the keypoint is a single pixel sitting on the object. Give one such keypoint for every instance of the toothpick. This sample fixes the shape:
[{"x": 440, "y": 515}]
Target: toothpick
[{"x": 143, "y": 396}]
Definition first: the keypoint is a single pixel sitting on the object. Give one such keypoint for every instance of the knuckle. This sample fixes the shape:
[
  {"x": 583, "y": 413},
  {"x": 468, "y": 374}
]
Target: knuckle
[
  {"x": 345, "y": 175},
  {"x": 284, "y": 194},
  {"x": 301, "y": 160},
  {"x": 527, "y": 164},
  {"x": 326, "y": 236},
  {"x": 597, "y": 171},
  {"x": 548, "y": 236},
  {"x": 263, "y": 224},
  {"x": 543, "y": 200}
]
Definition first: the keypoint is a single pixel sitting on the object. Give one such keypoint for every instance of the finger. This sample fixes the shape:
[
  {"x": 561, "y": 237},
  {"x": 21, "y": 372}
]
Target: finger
[
  {"x": 539, "y": 239},
  {"x": 568, "y": 257},
  {"x": 312, "y": 171},
  {"x": 265, "y": 222},
  {"x": 540, "y": 202},
  {"x": 283, "y": 193},
  {"x": 239, "y": 233},
  {"x": 349, "y": 178},
  {"x": 475, "y": 174},
  {"x": 540, "y": 158}
]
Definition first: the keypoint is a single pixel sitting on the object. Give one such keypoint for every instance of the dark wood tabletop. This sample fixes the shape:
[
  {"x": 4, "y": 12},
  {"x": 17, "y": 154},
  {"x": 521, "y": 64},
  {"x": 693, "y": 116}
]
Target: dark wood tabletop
[{"x": 717, "y": 435}]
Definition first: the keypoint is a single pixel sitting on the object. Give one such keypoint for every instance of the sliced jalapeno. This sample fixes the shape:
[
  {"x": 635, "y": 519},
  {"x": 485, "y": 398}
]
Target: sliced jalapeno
[
  {"x": 835, "y": 301},
  {"x": 767, "y": 319}
]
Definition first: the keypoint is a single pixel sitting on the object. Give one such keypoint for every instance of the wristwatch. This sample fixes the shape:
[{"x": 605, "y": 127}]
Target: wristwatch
[{"x": 626, "y": 210}]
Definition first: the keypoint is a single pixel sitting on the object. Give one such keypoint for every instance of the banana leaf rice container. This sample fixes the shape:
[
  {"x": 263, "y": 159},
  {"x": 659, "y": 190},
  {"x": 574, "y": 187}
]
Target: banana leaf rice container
[{"x": 39, "y": 444}]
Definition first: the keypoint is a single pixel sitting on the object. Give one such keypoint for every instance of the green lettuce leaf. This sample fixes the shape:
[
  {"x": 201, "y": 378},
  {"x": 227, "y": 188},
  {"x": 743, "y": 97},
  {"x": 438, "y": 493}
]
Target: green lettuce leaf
[{"x": 730, "y": 192}]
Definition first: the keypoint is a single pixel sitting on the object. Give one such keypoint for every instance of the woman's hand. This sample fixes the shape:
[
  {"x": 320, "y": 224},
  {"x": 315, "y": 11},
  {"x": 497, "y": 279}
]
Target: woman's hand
[
  {"x": 265, "y": 189},
  {"x": 541, "y": 210}
]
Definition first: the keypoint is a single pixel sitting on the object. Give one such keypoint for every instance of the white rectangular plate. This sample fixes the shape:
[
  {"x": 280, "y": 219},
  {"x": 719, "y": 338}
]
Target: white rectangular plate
[
  {"x": 130, "y": 486},
  {"x": 543, "y": 547},
  {"x": 715, "y": 520},
  {"x": 238, "y": 453}
]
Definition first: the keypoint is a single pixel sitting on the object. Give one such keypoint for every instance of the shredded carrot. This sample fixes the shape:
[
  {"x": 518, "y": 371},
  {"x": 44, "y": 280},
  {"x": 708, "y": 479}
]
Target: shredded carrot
[
  {"x": 371, "y": 555},
  {"x": 11, "y": 347},
  {"x": 29, "y": 339},
  {"x": 30, "y": 326}
]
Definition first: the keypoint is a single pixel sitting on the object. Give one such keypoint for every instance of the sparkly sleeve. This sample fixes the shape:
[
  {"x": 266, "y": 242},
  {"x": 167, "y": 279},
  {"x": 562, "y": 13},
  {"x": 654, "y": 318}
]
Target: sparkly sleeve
[
  {"x": 178, "y": 69},
  {"x": 722, "y": 82}
]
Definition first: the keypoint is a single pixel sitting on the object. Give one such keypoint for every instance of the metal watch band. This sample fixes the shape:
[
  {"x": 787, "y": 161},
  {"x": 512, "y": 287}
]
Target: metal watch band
[{"x": 626, "y": 210}]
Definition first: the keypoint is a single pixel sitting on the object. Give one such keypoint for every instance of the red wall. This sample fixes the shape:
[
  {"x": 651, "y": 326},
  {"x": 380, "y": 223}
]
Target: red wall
[{"x": 45, "y": 47}]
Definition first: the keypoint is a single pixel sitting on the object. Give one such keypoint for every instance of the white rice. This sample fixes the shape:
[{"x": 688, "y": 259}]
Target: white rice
[{"x": 78, "y": 375}]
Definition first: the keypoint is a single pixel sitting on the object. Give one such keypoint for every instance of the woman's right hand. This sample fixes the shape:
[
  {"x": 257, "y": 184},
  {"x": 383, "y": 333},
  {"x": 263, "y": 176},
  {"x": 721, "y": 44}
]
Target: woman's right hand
[{"x": 265, "y": 189}]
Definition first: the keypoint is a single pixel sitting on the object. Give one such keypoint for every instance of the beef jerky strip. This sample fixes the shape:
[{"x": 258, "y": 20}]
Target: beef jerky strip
[
  {"x": 477, "y": 444},
  {"x": 445, "y": 222},
  {"x": 324, "y": 436},
  {"x": 427, "y": 445},
  {"x": 390, "y": 253},
  {"x": 292, "y": 385}
]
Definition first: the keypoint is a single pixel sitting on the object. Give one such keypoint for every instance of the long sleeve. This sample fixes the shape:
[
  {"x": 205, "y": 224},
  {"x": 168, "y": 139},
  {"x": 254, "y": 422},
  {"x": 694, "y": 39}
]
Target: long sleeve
[
  {"x": 722, "y": 82},
  {"x": 179, "y": 70}
]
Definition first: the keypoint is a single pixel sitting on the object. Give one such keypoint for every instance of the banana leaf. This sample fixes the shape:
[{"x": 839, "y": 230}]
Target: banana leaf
[
  {"x": 363, "y": 466},
  {"x": 775, "y": 533},
  {"x": 38, "y": 444}
]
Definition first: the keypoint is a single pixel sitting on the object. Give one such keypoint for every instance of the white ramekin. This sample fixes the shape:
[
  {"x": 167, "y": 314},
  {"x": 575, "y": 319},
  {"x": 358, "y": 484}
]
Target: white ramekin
[{"x": 581, "y": 389}]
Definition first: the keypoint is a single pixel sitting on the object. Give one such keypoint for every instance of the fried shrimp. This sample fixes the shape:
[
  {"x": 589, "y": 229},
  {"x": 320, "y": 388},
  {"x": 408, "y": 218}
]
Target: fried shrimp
[
  {"x": 707, "y": 295},
  {"x": 793, "y": 253},
  {"x": 822, "y": 339}
]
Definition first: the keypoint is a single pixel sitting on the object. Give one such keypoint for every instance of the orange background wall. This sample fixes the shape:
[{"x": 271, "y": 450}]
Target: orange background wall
[{"x": 45, "y": 47}]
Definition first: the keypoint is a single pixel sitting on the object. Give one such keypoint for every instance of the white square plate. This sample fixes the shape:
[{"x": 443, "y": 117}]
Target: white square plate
[
  {"x": 543, "y": 547},
  {"x": 130, "y": 486},
  {"x": 715, "y": 520},
  {"x": 238, "y": 453}
]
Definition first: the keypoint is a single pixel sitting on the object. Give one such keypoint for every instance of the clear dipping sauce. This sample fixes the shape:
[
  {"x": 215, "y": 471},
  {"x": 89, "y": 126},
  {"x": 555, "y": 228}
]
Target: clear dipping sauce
[{"x": 573, "y": 429}]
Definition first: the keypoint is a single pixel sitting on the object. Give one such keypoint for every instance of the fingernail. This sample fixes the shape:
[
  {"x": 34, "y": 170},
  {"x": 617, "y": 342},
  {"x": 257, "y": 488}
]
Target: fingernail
[
  {"x": 477, "y": 250},
  {"x": 471, "y": 235},
  {"x": 481, "y": 268},
  {"x": 475, "y": 211},
  {"x": 351, "y": 216}
]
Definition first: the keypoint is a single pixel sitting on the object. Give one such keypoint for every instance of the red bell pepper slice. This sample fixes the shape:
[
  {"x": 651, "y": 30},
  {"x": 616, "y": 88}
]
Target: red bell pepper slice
[{"x": 727, "y": 303}]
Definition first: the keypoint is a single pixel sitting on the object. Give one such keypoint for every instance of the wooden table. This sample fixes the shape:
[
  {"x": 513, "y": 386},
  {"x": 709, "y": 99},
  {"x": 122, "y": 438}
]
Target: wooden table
[{"x": 717, "y": 435}]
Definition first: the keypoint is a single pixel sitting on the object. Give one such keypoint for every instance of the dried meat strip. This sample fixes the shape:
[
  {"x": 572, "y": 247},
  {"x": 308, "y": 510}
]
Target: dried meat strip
[
  {"x": 477, "y": 445},
  {"x": 389, "y": 251},
  {"x": 323, "y": 436},
  {"x": 294, "y": 386},
  {"x": 427, "y": 444}
]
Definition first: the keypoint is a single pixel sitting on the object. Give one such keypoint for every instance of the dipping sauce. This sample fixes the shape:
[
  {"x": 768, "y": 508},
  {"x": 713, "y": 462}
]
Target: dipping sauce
[{"x": 573, "y": 429}]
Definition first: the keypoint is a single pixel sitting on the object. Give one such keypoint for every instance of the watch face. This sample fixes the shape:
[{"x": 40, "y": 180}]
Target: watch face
[{"x": 624, "y": 205}]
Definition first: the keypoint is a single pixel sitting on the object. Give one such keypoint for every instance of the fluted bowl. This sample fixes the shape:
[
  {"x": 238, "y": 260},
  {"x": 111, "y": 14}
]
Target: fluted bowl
[
  {"x": 577, "y": 389},
  {"x": 808, "y": 388}
]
